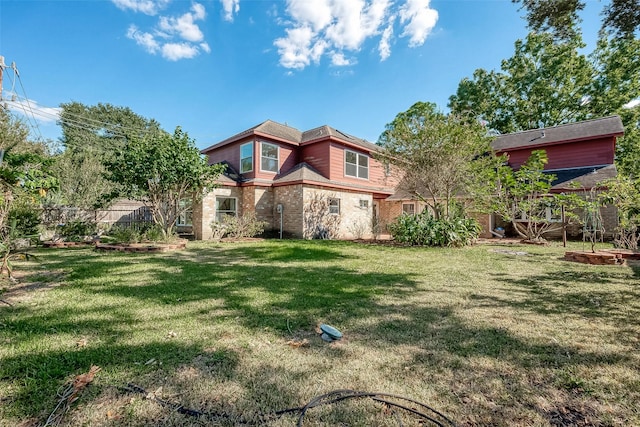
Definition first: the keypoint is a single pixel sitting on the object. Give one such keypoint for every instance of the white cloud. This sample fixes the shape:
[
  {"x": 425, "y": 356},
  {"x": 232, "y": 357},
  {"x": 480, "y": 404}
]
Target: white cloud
[
  {"x": 184, "y": 26},
  {"x": 333, "y": 27},
  {"x": 384, "y": 47},
  {"x": 230, "y": 7},
  {"x": 176, "y": 51},
  {"x": 420, "y": 19},
  {"x": 632, "y": 104},
  {"x": 148, "y": 7},
  {"x": 175, "y": 37},
  {"x": 338, "y": 59},
  {"x": 146, "y": 40},
  {"x": 30, "y": 108}
]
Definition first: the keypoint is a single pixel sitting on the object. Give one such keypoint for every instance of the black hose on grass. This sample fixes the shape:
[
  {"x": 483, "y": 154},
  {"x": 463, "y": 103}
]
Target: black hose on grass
[{"x": 428, "y": 413}]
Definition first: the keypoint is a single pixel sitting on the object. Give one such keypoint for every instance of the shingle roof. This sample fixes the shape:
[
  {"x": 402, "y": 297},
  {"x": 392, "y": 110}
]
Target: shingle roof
[
  {"x": 301, "y": 172},
  {"x": 294, "y": 136},
  {"x": 581, "y": 178},
  {"x": 606, "y": 126}
]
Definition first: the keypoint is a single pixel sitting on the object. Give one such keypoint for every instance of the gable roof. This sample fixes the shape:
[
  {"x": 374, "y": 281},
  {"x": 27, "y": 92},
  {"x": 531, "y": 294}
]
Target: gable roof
[
  {"x": 293, "y": 136},
  {"x": 581, "y": 178},
  {"x": 588, "y": 129}
]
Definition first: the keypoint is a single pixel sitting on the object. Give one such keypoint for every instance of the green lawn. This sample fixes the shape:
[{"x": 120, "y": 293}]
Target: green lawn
[{"x": 481, "y": 334}]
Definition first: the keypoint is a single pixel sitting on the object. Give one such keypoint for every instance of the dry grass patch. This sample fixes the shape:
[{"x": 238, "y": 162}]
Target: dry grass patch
[{"x": 486, "y": 337}]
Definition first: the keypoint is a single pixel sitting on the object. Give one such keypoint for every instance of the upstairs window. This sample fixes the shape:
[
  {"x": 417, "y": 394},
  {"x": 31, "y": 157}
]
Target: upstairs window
[
  {"x": 269, "y": 157},
  {"x": 246, "y": 157},
  {"x": 356, "y": 165}
]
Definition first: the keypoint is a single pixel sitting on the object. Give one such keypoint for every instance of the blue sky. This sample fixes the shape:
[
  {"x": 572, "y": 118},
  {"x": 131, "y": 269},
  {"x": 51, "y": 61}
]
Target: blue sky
[{"x": 218, "y": 67}]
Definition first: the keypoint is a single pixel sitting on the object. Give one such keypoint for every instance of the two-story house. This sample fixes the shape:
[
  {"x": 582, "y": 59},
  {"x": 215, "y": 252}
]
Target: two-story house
[{"x": 275, "y": 170}]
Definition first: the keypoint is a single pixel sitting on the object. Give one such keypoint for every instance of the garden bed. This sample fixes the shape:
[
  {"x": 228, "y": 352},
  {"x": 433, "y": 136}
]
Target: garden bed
[
  {"x": 603, "y": 257},
  {"x": 143, "y": 247},
  {"x": 63, "y": 244}
]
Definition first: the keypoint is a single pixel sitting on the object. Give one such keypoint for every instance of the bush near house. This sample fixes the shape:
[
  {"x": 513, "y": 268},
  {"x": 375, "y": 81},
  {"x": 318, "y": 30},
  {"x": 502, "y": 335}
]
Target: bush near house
[{"x": 424, "y": 229}]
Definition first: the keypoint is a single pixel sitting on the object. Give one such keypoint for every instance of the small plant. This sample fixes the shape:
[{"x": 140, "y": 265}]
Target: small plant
[
  {"x": 123, "y": 234},
  {"x": 247, "y": 225},
  {"x": 154, "y": 233},
  {"x": 358, "y": 228},
  {"x": 76, "y": 230},
  {"x": 218, "y": 230}
]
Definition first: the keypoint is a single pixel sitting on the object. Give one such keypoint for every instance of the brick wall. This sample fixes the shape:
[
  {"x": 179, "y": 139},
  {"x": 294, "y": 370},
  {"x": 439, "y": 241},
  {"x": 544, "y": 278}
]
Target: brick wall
[
  {"x": 290, "y": 197},
  {"x": 205, "y": 211}
]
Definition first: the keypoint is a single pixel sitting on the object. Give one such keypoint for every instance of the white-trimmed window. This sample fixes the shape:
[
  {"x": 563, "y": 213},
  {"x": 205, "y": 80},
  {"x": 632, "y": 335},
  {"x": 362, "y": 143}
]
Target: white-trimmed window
[
  {"x": 364, "y": 204},
  {"x": 356, "y": 164},
  {"x": 246, "y": 157},
  {"x": 409, "y": 208},
  {"x": 225, "y": 206},
  {"x": 269, "y": 157},
  {"x": 334, "y": 206},
  {"x": 186, "y": 213}
]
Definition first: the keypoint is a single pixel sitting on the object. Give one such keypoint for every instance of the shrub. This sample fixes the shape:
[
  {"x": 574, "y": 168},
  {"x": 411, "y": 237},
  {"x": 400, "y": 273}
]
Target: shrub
[
  {"x": 24, "y": 219},
  {"x": 359, "y": 228},
  {"x": 218, "y": 230},
  {"x": 122, "y": 234},
  {"x": 247, "y": 225},
  {"x": 76, "y": 230},
  {"x": 424, "y": 230}
]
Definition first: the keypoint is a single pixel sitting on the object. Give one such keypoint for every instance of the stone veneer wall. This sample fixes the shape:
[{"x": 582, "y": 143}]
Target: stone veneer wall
[
  {"x": 290, "y": 197},
  {"x": 353, "y": 217},
  {"x": 205, "y": 211}
]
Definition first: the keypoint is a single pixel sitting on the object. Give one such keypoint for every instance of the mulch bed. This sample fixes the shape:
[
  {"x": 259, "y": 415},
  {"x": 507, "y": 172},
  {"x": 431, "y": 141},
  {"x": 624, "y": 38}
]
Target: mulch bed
[{"x": 142, "y": 247}]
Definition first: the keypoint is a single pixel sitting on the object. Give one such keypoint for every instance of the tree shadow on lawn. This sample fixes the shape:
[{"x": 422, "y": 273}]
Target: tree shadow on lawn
[
  {"x": 614, "y": 299},
  {"x": 256, "y": 292},
  {"x": 487, "y": 375}
]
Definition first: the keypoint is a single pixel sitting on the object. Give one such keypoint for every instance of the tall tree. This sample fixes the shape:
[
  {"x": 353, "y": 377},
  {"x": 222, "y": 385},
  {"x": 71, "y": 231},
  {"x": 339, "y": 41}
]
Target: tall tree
[
  {"x": 91, "y": 136},
  {"x": 616, "y": 90},
  {"x": 621, "y": 18},
  {"x": 162, "y": 170},
  {"x": 435, "y": 154},
  {"x": 543, "y": 84}
]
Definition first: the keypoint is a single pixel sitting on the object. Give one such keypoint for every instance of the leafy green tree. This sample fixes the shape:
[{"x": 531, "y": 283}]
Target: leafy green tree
[
  {"x": 614, "y": 88},
  {"x": 91, "y": 136},
  {"x": 24, "y": 176},
  {"x": 543, "y": 84},
  {"x": 561, "y": 17},
  {"x": 624, "y": 193},
  {"x": 435, "y": 153},
  {"x": 162, "y": 169},
  {"x": 523, "y": 198}
]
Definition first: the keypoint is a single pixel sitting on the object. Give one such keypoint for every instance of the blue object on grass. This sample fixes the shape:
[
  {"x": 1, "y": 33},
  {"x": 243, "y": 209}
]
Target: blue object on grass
[{"x": 331, "y": 331}]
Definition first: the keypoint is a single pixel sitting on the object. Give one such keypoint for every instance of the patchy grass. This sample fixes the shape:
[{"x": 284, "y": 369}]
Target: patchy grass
[{"x": 481, "y": 334}]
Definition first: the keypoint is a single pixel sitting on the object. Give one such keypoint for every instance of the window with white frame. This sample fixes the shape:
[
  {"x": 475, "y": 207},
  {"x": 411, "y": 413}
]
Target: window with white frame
[
  {"x": 364, "y": 204},
  {"x": 269, "y": 157},
  {"x": 225, "y": 206},
  {"x": 334, "y": 206},
  {"x": 356, "y": 164},
  {"x": 246, "y": 157},
  {"x": 409, "y": 208},
  {"x": 185, "y": 211}
]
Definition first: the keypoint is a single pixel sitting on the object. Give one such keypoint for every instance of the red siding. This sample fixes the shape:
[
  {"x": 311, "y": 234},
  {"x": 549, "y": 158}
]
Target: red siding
[
  {"x": 377, "y": 177},
  {"x": 317, "y": 155},
  {"x": 286, "y": 160},
  {"x": 572, "y": 154}
]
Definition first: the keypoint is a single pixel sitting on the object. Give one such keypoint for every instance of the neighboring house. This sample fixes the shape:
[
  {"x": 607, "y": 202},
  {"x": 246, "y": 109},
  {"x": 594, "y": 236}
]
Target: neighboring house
[
  {"x": 276, "y": 171},
  {"x": 580, "y": 155}
]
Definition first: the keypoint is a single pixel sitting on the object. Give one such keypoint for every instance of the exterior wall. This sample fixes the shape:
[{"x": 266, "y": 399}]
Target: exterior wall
[
  {"x": 229, "y": 153},
  {"x": 286, "y": 160},
  {"x": 570, "y": 155},
  {"x": 354, "y": 220},
  {"x": 377, "y": 177},
  {"x": 291, "y": 199},
  {"x": 260, "y": 201},
  {"x": 205, "y": 211},
  {"x": 317, "y": 155}
]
